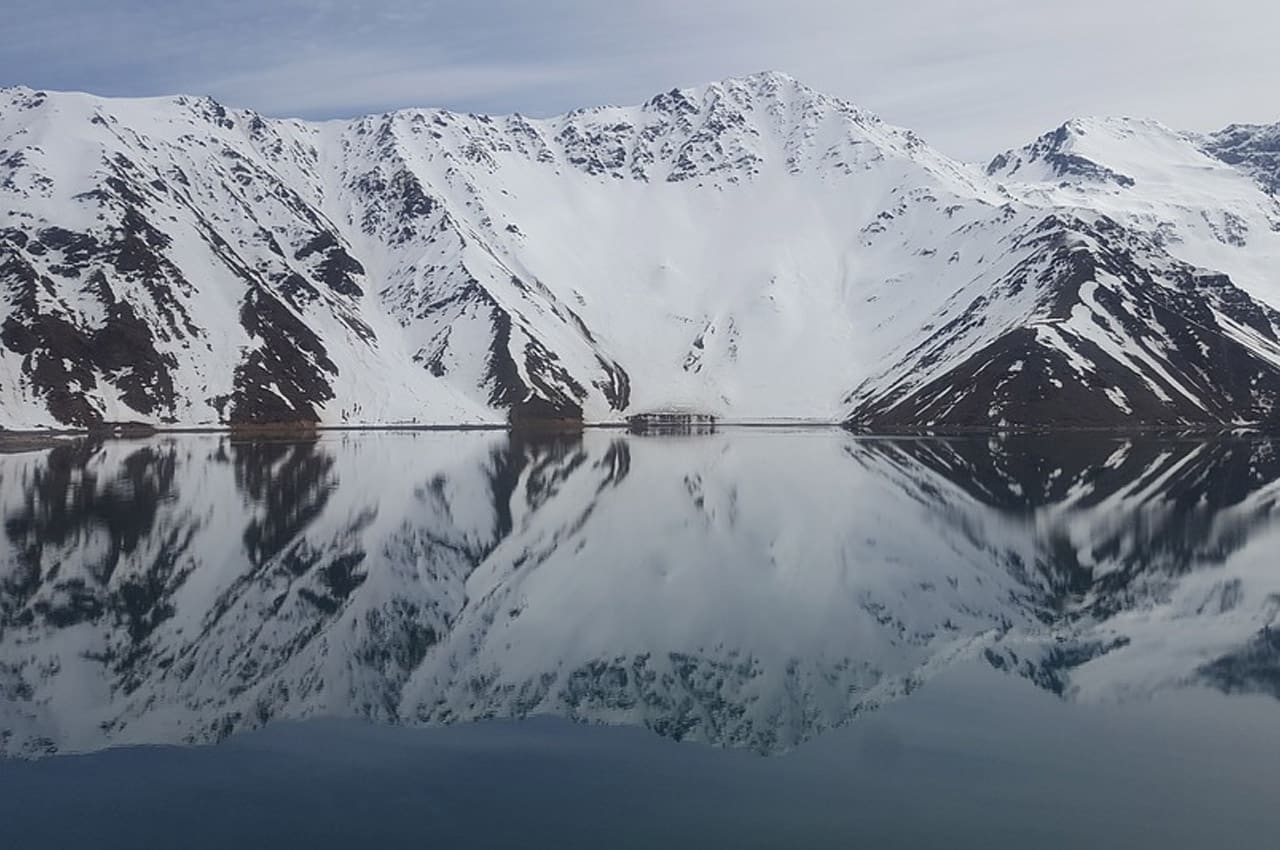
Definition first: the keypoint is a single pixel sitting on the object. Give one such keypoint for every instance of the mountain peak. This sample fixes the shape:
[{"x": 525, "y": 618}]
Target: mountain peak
[
  {"x": 429, "y": 266},
  {"x": 1253, "y": 148},
  {"x": 760, "y": 83},
  {"x": 767, "y": 79},
  {"x": 1081, "y": 148}
]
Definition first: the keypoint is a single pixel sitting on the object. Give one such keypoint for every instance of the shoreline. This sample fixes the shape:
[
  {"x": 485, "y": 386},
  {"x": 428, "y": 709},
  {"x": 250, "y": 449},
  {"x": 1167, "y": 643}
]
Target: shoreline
[{"x": 12, "y": 441}]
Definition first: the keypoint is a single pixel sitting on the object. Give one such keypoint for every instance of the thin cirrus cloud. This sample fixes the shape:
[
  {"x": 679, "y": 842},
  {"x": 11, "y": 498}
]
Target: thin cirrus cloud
[{"x": 973, "y": 77}]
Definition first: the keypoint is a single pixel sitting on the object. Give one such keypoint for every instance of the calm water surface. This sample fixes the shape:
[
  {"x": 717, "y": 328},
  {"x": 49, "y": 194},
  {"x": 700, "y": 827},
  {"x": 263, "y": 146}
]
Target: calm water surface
[{"x": 746, "y": 639}]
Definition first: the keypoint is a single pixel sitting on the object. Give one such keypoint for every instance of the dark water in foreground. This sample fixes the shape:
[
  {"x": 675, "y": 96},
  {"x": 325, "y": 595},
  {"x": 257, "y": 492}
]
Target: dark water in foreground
[{"x": 768, "y": 639}]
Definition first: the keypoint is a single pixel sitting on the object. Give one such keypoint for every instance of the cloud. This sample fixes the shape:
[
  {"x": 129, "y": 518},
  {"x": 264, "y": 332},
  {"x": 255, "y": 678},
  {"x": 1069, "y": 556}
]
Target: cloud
[
  {"x": 357, "y": 81},
  {"x": 973, "y": 77}
]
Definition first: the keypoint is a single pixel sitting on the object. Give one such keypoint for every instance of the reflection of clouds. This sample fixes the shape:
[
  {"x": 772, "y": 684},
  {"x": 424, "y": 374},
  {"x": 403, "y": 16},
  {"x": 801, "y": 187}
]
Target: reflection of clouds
[{"x": 752, "y": 590}]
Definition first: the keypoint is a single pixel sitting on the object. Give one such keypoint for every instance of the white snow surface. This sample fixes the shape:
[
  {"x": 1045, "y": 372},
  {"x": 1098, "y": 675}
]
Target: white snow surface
[{"x": 750, "y": 248}]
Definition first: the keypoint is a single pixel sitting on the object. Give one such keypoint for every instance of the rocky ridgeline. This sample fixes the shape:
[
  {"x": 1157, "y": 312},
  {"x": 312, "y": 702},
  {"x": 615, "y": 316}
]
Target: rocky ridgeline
[{"x": 746, "y": 250}]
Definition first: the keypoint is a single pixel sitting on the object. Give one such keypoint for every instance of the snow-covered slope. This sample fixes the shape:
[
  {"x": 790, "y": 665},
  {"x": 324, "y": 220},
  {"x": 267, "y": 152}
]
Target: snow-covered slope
[
  {"x": 749, "y": 589},
  {"x": 750, "y": 249}
]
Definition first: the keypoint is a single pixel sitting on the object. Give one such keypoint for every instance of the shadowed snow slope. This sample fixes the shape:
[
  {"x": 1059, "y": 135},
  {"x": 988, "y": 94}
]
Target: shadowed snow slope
[{"x": 749, "y": 249}]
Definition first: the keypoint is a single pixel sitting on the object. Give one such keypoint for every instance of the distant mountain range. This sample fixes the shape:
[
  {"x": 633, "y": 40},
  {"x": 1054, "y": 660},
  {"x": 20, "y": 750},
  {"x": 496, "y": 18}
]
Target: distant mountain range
[{"x": 750, "y": 250}]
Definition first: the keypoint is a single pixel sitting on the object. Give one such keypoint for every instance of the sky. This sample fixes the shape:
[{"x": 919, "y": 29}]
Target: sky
[{"x": 973, "y": 78}]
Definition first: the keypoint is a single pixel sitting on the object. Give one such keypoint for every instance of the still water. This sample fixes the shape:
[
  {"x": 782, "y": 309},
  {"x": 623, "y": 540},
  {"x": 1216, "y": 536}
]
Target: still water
[{"x": 751, "y": 638}]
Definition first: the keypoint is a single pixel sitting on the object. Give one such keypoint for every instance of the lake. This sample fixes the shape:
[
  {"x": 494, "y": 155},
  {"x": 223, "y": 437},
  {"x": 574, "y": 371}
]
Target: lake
[{"x": 748, "y": 638}]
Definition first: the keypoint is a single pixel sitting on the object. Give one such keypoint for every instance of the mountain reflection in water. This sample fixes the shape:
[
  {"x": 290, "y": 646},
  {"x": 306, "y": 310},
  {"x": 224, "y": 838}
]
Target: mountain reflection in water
[{"x": 749, "y": 588}]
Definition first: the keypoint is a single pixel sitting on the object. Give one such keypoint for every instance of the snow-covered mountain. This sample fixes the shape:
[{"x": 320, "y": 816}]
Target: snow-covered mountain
[
  {"x": 749, "y": 249},
  {"x": 747, "y": 588}
]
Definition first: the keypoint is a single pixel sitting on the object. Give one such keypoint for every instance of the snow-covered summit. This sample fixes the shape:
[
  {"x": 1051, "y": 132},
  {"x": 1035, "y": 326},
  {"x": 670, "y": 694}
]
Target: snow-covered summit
[
  {"x": 749, "y": 248},
  {"x": 1254, "y": 148}
]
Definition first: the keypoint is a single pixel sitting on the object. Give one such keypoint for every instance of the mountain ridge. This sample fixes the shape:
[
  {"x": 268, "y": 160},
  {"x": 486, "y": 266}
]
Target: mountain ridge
[{"x": 747, "y": 249}]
